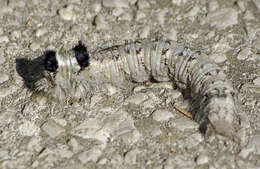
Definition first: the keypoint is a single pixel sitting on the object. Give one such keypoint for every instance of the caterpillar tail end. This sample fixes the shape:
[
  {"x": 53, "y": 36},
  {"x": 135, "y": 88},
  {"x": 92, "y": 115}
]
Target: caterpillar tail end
[{"x": 221, "y": 115}]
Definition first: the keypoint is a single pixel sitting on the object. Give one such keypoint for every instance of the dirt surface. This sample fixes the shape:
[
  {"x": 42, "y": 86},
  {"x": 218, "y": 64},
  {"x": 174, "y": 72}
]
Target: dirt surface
[{"x": 137, "y": 127}]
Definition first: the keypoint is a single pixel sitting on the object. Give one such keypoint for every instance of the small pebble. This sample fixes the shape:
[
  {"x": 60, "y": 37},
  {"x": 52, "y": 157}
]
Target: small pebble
[
  {"x": 244, "y": 54},
  {"x": 257, "y": 3},
  {"x": 162, "y": 115},
  {"x": 160, "y": 16},
  {"x": 202, "y": 159},
  {"x": 164, "y": 85},
  {"x": 67, "y": 13},
  {"x": 140, "y": 15},
  {"x": 110, "y": 89},
  {"x": 3, "y": 77},
  {"x": 29, "y": 129},
  {"x": 194, "y": 11},
  {"x": 223, "y": 18},
  {"x": 92, "y": 128},
  {"x": 101, "y": 23},
  {"x": 141, "y": 4},
  {"x": 126, "y": 16},
  {"x": 218, "y": 57},
  {"x": 118, "y": 11},
  {"x": 179, "y": 2},
  {"x": 64, "y": 152},
  {"x": 35, "y": 46},
  {"x": 41, "y": 32},
  {"x": 172, "y": 35},
  {"x": 97, "y": 7},
  {"x": 136, "y": 99},
  {"x": 185, "y": 123},
  {"x": 256, "y": 44},
  {"x": 213, "y": 6},
  {"x": 52, "y": 128},
  {"x": 115, "y": 3},
  {"x": 16, "y": 34},
  {"x": 75, "y": 145},
  {"x": 257, "y": 81},
  {"x": 130, "y": 156},
  {"x": 6, "y": 91},
  {"x": 4, "y": 155},
  {"x": 90, "y": 155},
  {"x": 131, "y": 137},
  {"x": 144, "y": 31},
  {"x": 34, "y": 144},
  {"x": 4, "y": 39},
  {"x": 191, "y": 141}
]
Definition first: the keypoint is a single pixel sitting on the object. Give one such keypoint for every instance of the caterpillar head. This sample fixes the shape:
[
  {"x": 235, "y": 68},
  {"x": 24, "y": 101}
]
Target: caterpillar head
[{"x": 62, "y": 78}]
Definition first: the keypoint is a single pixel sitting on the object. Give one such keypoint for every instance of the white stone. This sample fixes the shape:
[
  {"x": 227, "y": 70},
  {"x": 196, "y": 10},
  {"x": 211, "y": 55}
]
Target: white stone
[
  {"x": 131, "y": 137},
  {"x": 7, "y": 91},
  {"x": 52, "y": 128},
  {"x": 118, "y": 11},
  {"x": 244, "y": 54},
  {"x": 254, "y": 141},
  {"x": 35, "y": 46},
  {"x": 172, "y": 35},
  {"x": 256, "y": 44},
  {"x": 164, "y": 85},
  {"x": 191, "y": 141},
  {"x": 90, "y": 155},
  {"x": 126, "y": 16},
  {"x": 218, "y": 57},
  {"x": 202, "y": 159},
  {"x": 257, "y": 81},
  {"x": 29, "y": 129},
  {"x": 155, "y": 131},
  {"x": 162, "y": 115},
  {"x": 4, "y": 39},
  {"x": 63, "y": 152},
  {"x": 75, "y": 145},
  {"x": 185, "y": 123},
  {"x": 115, "y": 3},
  {"x": 97, "y": 7},
  {"x": 140, "y": 15},
  {"x": 34, "y": 144},
  {"x": 130, "y": 156},
  {"x": 160, "y": 15},
  {"x": 92, "y": 128},
  {"x": 16, "y": 34},
  {"x": 144, "y": 31},
  {"x": 4, "y": 155},
  {"x": 174, "y": 94},
  {"x": 3, "y": 77},
  {"x": 101, "y": 23},
  {"x": 179, "y": 2},
  {"x": 41, "y": 32},
  {"x": 213, "y": 6},
  {"x": 194, "y": 11},
  {"x": 223, "y": 18},
  {"x": 136, "y": 99},
  {"x": 257, "y": 3},
  {"x": 68, "y": 13},
  {"x": 141, "y": 4}
]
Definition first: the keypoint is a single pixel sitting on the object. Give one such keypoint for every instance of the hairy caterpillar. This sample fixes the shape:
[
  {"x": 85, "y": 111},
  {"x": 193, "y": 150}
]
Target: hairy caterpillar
[{"x": 213, "y": 97}]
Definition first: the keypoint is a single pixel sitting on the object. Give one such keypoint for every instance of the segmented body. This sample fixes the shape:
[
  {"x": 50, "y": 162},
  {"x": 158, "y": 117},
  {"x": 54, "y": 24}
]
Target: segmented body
[{"x": 213, "y": 96}]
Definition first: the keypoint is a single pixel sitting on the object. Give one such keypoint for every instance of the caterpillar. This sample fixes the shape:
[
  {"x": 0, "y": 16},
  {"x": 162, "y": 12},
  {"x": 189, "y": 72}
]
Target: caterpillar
[{"x": 77, "y": 74}]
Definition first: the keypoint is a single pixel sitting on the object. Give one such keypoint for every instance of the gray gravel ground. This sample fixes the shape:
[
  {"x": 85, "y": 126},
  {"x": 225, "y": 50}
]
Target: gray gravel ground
[{"x": 135, "y": 128}]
